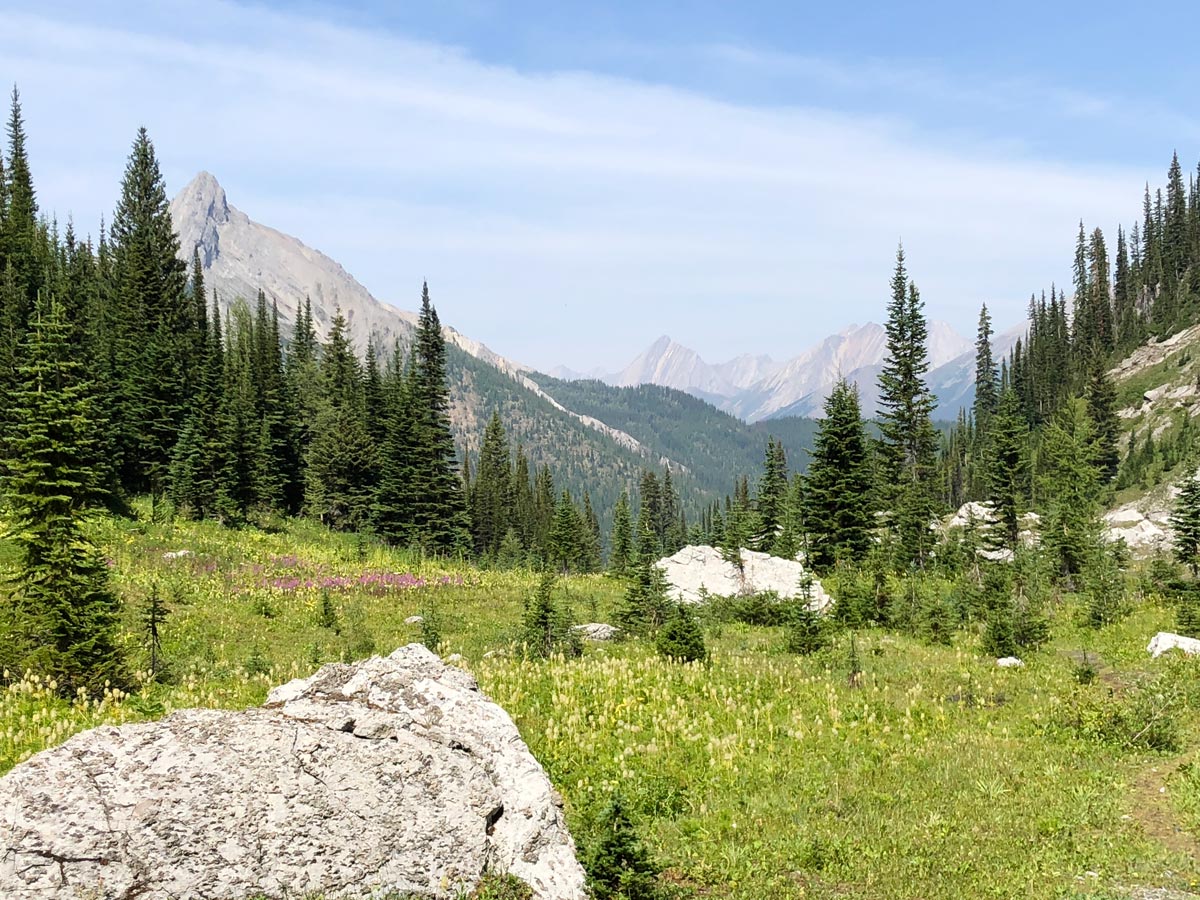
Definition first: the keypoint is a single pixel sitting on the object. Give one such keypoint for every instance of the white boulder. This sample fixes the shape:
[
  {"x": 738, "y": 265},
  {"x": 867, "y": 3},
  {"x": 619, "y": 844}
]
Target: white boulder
[
  {"x": 1009, "y": 662},
  {"x": 699, "y": 570},
  {"x": 598, "y": 631},
  {"x": 1165, "y": 641},
  {"x": 390, "y": 775}
]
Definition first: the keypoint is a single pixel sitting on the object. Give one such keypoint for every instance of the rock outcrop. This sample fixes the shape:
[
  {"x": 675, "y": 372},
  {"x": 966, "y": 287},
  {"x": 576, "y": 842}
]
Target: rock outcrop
[
  {"x": 1165, "y": 641},
  {"x": 699, "y": 570},
  {"x": 392, "y": 774}
]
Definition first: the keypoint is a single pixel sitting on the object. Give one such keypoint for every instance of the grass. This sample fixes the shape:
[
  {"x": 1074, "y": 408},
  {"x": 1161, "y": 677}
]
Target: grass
[{"x": 934, "y": 774}]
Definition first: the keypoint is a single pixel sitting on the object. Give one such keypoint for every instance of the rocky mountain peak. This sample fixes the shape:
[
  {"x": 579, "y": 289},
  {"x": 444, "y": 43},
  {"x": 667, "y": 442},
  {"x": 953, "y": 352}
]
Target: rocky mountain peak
[{"x": 199, "y": 211}]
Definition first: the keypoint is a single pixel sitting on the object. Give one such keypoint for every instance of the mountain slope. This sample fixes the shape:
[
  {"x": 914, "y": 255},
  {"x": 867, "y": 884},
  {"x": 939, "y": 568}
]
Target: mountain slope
[
  {"x": 719, "y": 447},
  {"x": 584, "y": 446}
]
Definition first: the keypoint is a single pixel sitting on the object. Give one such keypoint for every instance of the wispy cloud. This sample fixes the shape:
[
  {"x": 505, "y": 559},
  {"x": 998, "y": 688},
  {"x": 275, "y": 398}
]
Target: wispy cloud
[{"x": 562, "y": 217}]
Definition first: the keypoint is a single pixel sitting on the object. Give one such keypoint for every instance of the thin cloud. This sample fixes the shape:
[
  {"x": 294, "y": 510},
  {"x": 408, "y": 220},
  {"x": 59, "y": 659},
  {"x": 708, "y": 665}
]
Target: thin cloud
[{"x": 565, "y": 217}]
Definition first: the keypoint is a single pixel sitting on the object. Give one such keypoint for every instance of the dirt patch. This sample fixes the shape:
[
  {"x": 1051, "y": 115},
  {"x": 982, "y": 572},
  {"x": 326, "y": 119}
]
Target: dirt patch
[{"x": 1153, "y": 811}]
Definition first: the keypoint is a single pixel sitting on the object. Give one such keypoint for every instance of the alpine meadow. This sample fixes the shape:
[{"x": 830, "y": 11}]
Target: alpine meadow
[{"x": 305, "y": 595}]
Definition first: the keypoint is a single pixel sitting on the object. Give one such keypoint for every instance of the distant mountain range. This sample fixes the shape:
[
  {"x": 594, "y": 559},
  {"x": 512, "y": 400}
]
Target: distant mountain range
[{"x": 758, "y": 388}]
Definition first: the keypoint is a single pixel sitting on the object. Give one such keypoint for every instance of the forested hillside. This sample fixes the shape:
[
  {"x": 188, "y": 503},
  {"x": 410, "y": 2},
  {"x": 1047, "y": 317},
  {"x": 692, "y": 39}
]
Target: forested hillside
[{"x": 714, "y": 446}]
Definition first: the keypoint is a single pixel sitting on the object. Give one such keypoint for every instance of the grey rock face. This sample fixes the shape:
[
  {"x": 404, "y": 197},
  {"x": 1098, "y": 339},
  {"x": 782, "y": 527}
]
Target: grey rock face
[{"x": 390, "y": 774}]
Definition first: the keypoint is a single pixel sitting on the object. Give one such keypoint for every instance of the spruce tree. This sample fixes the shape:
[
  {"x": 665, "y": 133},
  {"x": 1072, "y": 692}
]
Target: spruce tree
[
  {"x": 621, "y": 551},
  {"x": 1070, "y": 484},
  {"x": 1102, "y": 409},
  {"x": 153, "y": 324},
  {"x": 1008, "y": 479},
  {"x": 62, "y": 614},
  {"x": 771, "y": 501},
  {"x": 837, "y": 502},
  {"x": 1185, "y": 521},
  {"x": 491, "y": 497},
  {"x": 440, "y": 512},
  {"x": 565, "y": 535},
  {"x": 986, "y": 399},
  {"x": 908, "y": 442},
  {"x": 395, "y": 495}
]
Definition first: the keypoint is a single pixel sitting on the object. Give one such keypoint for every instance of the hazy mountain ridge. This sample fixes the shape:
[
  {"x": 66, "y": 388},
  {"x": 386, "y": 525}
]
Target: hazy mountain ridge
[{"x": 757, "y": 388}]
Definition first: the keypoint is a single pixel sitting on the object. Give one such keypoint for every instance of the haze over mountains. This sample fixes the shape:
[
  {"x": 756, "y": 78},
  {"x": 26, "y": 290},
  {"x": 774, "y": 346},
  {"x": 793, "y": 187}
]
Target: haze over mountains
[
  {"x": 240, "y": 256},
  {"x": 757, "y": 388}
]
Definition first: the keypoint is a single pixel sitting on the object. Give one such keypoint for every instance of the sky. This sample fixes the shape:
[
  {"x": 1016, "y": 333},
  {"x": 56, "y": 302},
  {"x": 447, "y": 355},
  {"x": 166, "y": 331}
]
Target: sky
[{"x": 574, "y": 180}]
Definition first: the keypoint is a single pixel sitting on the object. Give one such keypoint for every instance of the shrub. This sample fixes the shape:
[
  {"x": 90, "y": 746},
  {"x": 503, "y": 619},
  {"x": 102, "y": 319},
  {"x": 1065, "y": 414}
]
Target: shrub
[
  {"x": 1105, "y": 591},
  {"x": 1187, "y": 609},
  {"x": 431, "y": 628},
  {"x": 681, "y": 639},
  {"x": 1145, "y": 717},
  {"x": 617, "y": 864},
  {"x": 548, "y": 627},
  {"x": 807, "y": 634}
]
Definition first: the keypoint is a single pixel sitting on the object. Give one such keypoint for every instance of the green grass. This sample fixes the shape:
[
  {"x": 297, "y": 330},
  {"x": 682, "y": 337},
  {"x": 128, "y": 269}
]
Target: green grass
[{"x": 761, "y": 775}]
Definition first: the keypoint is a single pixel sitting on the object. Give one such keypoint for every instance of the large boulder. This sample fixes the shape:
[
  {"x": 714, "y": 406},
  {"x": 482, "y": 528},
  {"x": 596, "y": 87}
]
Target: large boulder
[
  {"x": 1165, "y": 641},
  {"x": 390, "y": 775},
  {"x": 696, "y": 571}
]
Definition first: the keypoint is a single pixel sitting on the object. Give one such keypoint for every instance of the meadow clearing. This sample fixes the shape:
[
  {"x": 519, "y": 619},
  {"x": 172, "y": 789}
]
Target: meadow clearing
[{"x": 931, "y": 773}]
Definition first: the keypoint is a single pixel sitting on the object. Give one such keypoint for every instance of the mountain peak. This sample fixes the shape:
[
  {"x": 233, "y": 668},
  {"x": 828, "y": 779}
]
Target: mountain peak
[{"x": 205, "y": 195}]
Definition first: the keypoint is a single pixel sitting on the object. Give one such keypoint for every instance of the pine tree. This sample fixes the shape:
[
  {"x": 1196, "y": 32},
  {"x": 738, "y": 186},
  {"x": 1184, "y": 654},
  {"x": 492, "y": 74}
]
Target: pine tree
[
  {"x": 1185, "y": 521},
  {"x": 1070, "y": 484},
  {"x": 62, "y": 617},
  {"x": 565, "y": 535},
  {"x": 547, "y": 628},
  {"x": 771, "y": 501},
  {"x": 985, "y": 373},
  {"x": 618, "y": 866},
  {"x": 153, "y": 324},
  {"x": 1102, "y": 409},
  {"x": 440, "y": 511},
  {"x": 837, "y": 503},
  {"x": 341, "y": 460},
  {"x": 1009, "y": 468},
  {"x": 621, "y": 552},
  {"x": 491, "y": 497},
  {"x": 908, "y": 442}
]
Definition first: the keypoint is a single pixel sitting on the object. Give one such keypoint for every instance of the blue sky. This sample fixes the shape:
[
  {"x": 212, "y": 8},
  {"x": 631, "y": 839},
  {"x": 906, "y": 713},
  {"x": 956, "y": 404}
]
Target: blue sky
[{"x": 574, "y": 180}]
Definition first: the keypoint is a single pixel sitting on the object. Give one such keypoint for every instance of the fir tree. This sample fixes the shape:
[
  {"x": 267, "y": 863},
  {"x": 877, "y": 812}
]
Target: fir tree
[
  {"x": 618, "y": 866},
  {"x": 491, "y": 497},
  {"x": 986, "y": 399},
  {"x": 1102, "y": 409},
  {"x": 1071, "y": 487},
  {"x": 908, "y": 443},
  {"x": 1009, "y": 468},
  {"x": 154, "y": 324},
  {"x": 548, "y": 628},
  {"x": 771, "y": 501},
  {"x": 1185, "y": 521},
  {"x": 439, "y": 510},
  {"x": 681, "y": 638},
  {"x": 837, "y": 503},
  {"x": 62, "y": 612},
  {"x": 621, "y": 553},
  {"x": 565, "y": 534}
]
